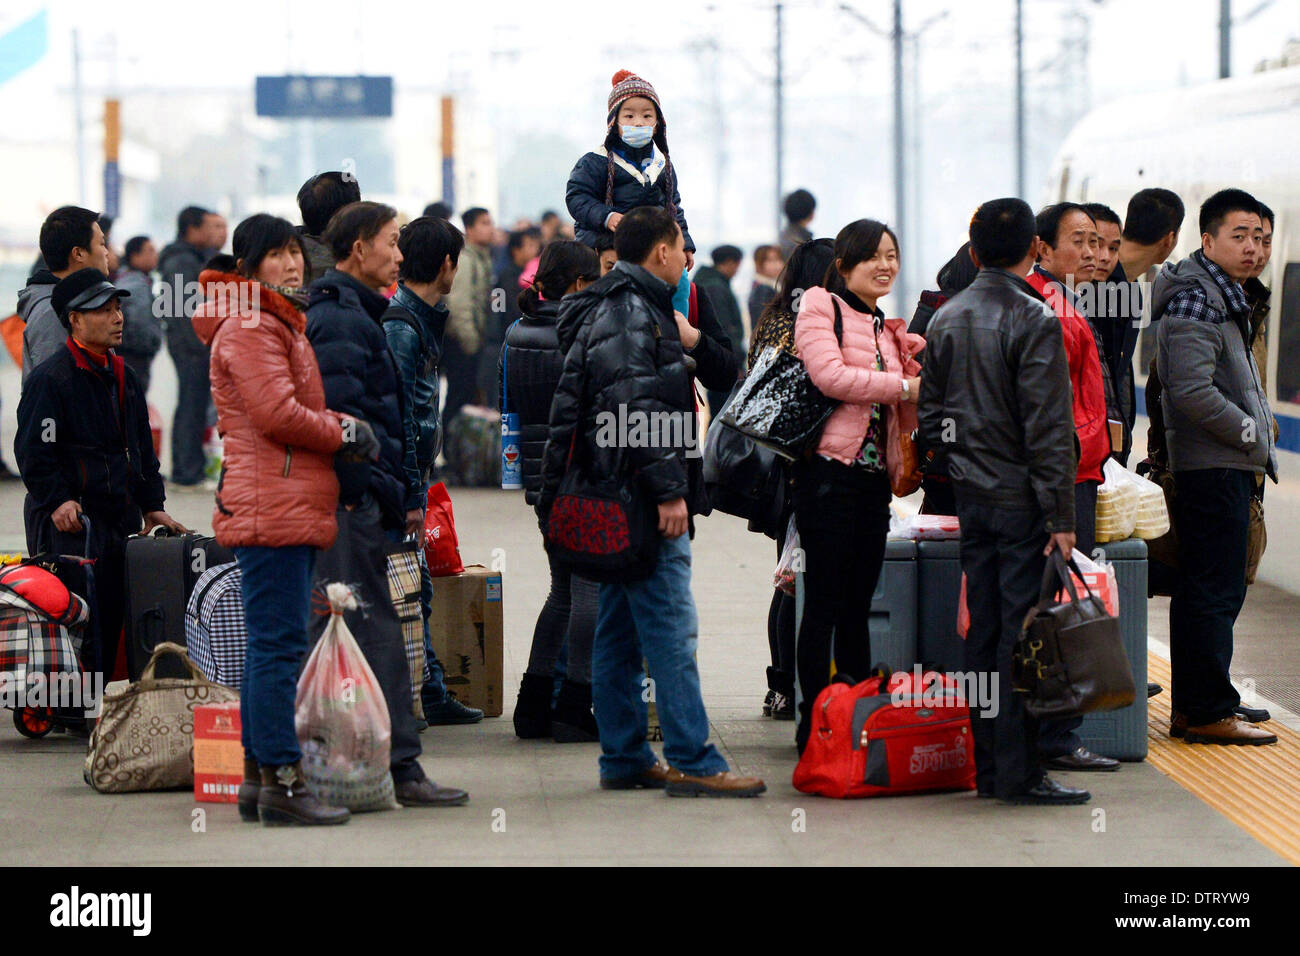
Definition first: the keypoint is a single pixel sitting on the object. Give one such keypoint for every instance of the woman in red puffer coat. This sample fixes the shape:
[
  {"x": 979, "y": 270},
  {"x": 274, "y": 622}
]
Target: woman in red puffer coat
[{"x": 276, "y": 500}]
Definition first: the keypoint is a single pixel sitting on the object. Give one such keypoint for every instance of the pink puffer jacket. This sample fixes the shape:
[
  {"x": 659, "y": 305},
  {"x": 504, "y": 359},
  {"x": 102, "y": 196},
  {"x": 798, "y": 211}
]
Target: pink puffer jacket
[
  {"x": 849, "y": 374},
  {"x": 278, "y": 488}
]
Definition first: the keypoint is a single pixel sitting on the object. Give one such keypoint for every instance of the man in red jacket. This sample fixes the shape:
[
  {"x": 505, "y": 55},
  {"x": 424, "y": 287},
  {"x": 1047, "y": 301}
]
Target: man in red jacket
[{"x": 1067, "y": 255}]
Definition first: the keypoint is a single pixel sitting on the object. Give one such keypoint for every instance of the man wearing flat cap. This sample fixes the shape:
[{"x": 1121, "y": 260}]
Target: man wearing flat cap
[{"x": 84, "y": 447}]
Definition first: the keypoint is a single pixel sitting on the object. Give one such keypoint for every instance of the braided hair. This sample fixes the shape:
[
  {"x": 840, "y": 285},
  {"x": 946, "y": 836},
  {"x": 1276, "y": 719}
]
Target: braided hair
[{"x": 612, "y": 139}]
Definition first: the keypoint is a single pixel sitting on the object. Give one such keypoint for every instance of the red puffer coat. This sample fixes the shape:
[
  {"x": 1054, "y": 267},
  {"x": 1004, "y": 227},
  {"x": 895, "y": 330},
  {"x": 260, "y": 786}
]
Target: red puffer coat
[
  {"x": 1085, "y": 378},
  {"x": 278, "y": 487}
]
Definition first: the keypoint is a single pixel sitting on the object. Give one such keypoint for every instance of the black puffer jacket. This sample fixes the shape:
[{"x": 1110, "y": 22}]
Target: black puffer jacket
[
  {"x": 585, "y": 194},
  {"x": 361, "y": 379},
  {"x": 531, "y": 363},
  {"x": 622, "y": 349},
  {"x": 995, "y": 398}
]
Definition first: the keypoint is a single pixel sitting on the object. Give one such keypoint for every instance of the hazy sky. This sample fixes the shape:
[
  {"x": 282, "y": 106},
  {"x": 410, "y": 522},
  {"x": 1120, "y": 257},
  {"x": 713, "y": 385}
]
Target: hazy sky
[{"x": 534, "y": 69}]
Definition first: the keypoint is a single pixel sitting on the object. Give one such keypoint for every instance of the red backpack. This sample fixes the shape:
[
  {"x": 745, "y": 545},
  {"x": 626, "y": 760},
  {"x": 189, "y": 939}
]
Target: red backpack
[{"x": 892, "y": 734}]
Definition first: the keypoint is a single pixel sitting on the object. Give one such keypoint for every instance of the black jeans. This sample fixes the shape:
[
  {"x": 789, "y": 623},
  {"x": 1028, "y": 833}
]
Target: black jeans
[
  {"x": 842, "y": 513},
  {"x": 193, "y": 393},
  {"x": 1212, "y": 514},
  {"x": 460, "y": 368},
  {"x": 358, "y": 559},
  {"x": 1058, "y": 736},
  {"x": 567, "y": 619},
  {"x": 1002, "y": 556}
]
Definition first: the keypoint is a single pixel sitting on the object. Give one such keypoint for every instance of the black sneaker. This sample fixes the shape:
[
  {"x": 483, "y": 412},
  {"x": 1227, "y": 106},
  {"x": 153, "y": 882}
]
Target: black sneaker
[
  {"x": 451, "y": 711},
  {"x": 782, "y": 707},
  {"x": 767, "y": 703}
]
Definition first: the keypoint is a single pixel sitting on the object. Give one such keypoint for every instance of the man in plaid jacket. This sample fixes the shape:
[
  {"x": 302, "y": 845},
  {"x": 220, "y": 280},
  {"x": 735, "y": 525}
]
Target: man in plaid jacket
[{"x": 1219, "y": 432}]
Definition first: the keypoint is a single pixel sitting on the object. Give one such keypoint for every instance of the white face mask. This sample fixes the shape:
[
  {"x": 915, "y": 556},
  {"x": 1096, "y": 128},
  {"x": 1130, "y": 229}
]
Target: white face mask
[{"x": 636, "y": 136}]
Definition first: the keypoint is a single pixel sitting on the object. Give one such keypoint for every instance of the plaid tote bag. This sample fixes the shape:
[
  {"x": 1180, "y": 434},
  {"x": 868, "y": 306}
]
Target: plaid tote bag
[{"x": 404, "y": 589}]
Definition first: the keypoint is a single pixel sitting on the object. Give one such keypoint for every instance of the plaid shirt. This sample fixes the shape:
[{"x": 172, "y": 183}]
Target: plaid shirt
[{"x": 1194, "y": 304}]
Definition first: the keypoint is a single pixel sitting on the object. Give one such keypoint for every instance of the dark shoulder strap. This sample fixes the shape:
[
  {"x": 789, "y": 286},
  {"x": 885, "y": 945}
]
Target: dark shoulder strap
[{"x": 839, "y": 320}]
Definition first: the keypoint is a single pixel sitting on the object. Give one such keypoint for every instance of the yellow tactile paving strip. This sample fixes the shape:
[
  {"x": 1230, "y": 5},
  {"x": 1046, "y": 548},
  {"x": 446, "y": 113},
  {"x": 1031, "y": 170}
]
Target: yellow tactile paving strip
[{"x": 1257, "y": 788}]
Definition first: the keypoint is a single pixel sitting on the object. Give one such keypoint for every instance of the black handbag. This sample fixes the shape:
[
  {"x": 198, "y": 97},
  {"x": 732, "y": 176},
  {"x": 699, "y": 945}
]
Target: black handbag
[
  {"x": 1070, "y": 657},
  {"x": 602, "y": 529},
  {"x": 777, "y": 405},
  {"x": 742, "y": 477}
]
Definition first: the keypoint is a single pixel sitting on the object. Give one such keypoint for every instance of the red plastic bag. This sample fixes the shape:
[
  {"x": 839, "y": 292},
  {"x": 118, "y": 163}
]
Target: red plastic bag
[{"x": 441, "y": 547}]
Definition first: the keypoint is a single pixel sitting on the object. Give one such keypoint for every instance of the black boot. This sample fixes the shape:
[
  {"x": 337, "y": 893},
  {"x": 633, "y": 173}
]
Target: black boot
[
  {"x": 573, "y": 722},
  {"x": 248, "y": 790},
  {"x": 533, "y": 709},
  {"x": 285, "y": 800}
]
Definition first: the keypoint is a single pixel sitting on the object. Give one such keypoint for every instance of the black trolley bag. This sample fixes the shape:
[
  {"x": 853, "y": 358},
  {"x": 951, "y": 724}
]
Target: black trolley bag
[{"x": 161, "y": 571}]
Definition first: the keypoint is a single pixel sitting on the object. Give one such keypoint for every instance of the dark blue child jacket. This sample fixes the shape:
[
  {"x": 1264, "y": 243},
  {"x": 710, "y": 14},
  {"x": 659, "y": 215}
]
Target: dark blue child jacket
[{"x": 585, "y": 195}]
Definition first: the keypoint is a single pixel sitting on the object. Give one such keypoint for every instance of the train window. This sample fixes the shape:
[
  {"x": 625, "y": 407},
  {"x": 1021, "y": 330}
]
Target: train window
[{"x": 1288, "y": 342}]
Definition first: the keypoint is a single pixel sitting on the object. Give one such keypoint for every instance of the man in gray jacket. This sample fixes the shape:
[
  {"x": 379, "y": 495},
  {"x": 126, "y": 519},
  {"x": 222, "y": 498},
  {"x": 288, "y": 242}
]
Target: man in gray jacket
[
  {"x": 71, "y": 239},
  {"x": 142, "y": 331},
  {"x": 1219, "y": 432}
]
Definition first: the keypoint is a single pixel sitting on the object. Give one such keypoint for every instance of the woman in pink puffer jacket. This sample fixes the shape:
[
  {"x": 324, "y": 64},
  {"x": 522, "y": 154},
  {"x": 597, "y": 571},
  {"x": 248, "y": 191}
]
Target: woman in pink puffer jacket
[{"x": 842, "y": 491}]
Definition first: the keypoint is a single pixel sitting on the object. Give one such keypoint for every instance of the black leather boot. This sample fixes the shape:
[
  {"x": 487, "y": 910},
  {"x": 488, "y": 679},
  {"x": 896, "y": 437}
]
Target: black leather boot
[
  {"x": 533, "y": 709},
  {"x": 285, "y": 800},
  {"x": 248, "y": 790},
  {"x": 573, "y": 721}
]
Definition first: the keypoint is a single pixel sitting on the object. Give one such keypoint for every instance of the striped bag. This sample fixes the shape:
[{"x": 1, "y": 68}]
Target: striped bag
[{"x": 404, "y": 589}]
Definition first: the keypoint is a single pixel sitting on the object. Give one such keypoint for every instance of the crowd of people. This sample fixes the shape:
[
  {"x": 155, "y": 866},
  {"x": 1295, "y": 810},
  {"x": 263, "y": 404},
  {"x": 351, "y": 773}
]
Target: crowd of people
[{"x": 1014, "y": 378}]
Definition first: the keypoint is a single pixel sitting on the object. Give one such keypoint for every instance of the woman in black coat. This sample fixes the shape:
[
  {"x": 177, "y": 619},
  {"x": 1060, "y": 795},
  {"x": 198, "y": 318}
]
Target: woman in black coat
[{"x": 531, "y": 362}]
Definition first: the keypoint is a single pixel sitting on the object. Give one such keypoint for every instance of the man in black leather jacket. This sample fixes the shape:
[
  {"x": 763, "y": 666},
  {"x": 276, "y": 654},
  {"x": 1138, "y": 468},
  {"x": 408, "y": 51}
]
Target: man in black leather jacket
[
  {"x": 995, "y": 400},
  {"x": 624, "y": 360}
]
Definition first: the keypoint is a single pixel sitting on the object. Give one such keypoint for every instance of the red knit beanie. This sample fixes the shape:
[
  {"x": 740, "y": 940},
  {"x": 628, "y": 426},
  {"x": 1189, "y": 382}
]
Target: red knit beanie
[{"x": 626, "y": 85}]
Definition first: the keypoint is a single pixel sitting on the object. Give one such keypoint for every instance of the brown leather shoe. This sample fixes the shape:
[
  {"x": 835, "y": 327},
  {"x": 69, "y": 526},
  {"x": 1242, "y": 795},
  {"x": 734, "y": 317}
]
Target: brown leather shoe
[
  {"x": 1177, "y": 724},
  {"x": 1229, "y": 730},
  {"x": 725, "y": 784},
  {"x": 286, "y": 800},
  {"x": 651, "y": 778},
  {"x": 246, "y": 798}
]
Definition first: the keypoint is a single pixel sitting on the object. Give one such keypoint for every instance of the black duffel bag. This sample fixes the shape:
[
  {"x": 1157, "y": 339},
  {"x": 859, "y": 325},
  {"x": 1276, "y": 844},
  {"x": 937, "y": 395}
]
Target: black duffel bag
[{"x": 1070, "y": 657}]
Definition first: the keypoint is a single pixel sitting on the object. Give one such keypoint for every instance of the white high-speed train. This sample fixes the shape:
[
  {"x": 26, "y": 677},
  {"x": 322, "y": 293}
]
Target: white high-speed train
[{"x": 1242, "y": 132}]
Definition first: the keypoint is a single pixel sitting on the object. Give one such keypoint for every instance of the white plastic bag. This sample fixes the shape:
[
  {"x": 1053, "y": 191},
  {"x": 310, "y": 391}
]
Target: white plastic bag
[
  {"x": 1152, "y": 513},
  {"x": 342, "y": 718},
  {"x": 790, "y": 562},
  {"x": 925, "y": 527},
  {"x": 1117, "y": 503}
]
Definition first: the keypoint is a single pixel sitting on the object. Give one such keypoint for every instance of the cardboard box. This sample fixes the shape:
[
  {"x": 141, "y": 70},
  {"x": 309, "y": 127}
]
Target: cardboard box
[
  {"x": 218, "y": 753},
  {"x": 468, "y": 634}
]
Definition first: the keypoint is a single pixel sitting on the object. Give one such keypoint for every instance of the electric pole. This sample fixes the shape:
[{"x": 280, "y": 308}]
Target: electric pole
[
  {"x": 780, "y": 119},
  {"x": 900, "y": 148},
  {"x": 1225, "y": 39},
  {"x": 1020, "y": 99}
]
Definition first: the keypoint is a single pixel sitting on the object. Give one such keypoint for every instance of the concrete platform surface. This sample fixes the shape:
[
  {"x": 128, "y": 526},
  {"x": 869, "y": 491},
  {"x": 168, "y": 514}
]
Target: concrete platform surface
[{"x": 537, "y": 802}]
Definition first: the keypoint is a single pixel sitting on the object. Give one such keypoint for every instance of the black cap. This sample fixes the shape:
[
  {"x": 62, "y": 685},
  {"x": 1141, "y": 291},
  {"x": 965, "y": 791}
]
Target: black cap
[{"x": 84, "y": 290}]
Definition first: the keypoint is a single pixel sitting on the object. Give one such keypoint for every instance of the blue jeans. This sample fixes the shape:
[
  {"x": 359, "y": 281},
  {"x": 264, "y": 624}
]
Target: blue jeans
[
  {"x": 276, "y": 592},
  {"x": 434, "y": 691},
  {"x": 652, "y": 619}
]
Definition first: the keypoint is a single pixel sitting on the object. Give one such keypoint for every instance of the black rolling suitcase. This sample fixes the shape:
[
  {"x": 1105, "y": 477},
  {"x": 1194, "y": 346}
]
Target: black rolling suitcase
[{"x": 161, "y": 571}]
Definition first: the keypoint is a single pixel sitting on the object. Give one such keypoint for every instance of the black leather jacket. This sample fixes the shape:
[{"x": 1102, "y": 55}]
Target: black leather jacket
[
  {"x": 995, "y": 398},
  {"x": 622, "y": 351}
]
